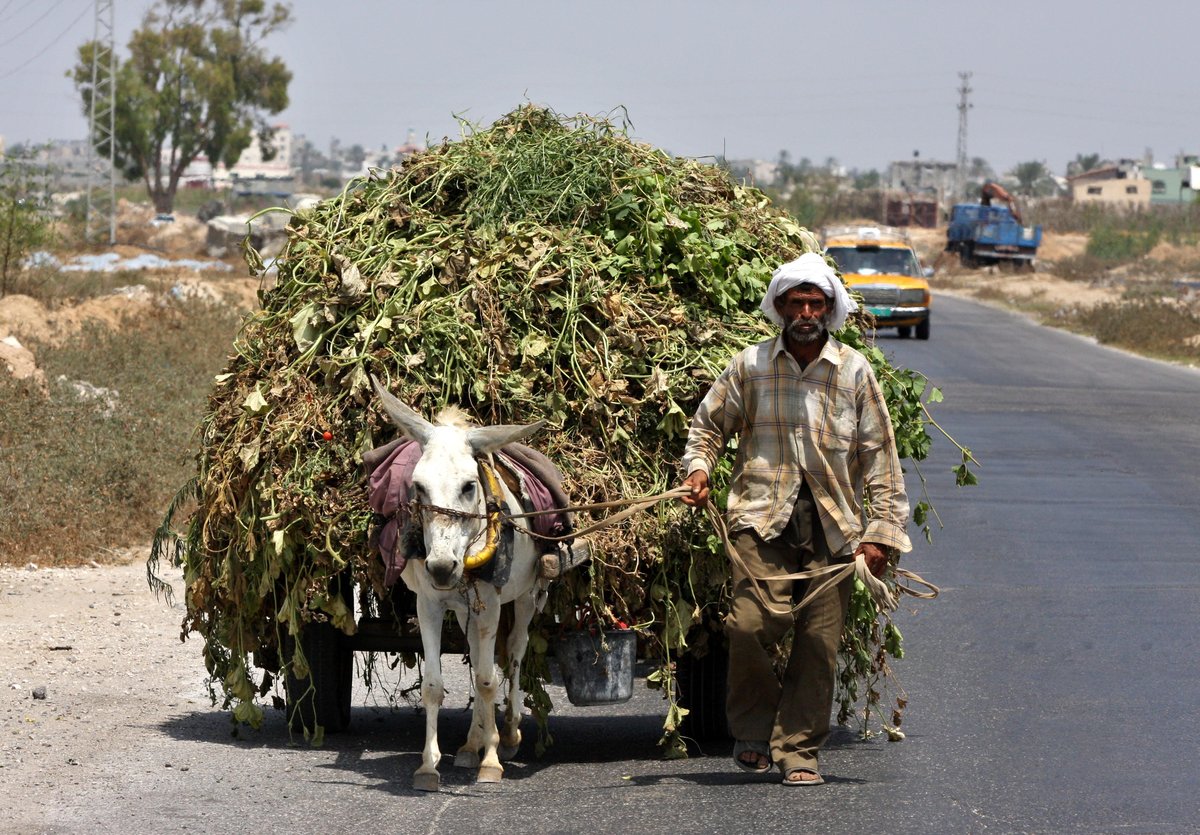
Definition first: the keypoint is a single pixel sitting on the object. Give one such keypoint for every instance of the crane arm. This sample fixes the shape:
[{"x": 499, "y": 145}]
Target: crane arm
[{"x": 995, "y": 191}]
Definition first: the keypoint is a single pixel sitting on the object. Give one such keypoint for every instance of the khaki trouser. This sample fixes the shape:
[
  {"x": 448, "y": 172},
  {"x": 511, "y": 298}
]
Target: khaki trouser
[{"x": 793, "y": 714}]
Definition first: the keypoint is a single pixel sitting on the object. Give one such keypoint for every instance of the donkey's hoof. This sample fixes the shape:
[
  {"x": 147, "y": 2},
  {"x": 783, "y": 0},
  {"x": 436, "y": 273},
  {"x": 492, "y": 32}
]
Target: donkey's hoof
[
  {"x": 507, "y": 752},
  {"x": 489, "y": 774},
  {"x": 466, "y": 759},
  {"x": 426, "y": 781}
]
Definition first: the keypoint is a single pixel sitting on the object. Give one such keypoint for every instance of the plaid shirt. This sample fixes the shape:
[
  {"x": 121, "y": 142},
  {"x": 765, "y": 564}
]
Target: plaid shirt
[{"x": 828, "y": 421}]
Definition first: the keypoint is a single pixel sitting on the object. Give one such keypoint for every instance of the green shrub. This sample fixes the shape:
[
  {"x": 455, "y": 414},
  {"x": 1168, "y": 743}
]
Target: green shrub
[{"x": 1112, "y": 244}]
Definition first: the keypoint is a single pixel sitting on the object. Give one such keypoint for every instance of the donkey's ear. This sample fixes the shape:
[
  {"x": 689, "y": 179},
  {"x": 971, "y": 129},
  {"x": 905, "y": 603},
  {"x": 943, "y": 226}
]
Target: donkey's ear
[
  {"x": 410, "y": 423},
  {"x": 485, "y": 439}
]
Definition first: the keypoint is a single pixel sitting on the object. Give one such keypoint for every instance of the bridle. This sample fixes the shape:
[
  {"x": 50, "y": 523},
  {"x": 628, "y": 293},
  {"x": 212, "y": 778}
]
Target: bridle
[{"x": 493, "y": 514}]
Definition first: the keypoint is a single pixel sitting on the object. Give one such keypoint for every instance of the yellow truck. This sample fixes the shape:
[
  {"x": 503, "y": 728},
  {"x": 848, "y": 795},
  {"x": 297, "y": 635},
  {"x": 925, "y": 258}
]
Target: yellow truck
[{"x": 880, "y": 264}]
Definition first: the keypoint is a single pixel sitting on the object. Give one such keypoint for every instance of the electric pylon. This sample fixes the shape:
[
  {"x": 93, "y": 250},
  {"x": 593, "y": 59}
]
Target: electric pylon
[
  {"x": 101, "y": 218},
  {"x": 964, "y": 105}
]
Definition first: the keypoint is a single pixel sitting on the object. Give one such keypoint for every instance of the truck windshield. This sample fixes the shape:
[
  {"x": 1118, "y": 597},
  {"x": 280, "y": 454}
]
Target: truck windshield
[{"x": 869, "y": 260}]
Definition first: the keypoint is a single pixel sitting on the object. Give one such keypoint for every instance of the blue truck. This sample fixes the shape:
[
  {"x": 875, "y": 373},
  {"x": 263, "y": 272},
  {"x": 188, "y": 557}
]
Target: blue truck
[{"x": 982, "y": 234}]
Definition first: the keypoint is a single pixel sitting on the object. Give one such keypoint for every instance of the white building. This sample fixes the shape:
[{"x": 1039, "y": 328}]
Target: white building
[{"x": 268, "y": 175}]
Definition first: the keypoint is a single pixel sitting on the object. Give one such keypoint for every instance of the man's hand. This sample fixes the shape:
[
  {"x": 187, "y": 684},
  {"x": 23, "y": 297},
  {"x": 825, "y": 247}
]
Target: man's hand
[
  {"x": 875, "y": 556},
  {"x": 698, "y": 481}
]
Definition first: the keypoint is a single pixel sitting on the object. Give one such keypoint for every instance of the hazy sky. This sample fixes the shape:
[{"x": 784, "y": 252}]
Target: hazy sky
[{"x": 863, "y": 82}]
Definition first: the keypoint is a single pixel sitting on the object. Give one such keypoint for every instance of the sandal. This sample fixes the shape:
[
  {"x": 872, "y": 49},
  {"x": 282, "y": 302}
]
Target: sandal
[
  {"x": 794, "y": 777},
  {"x": 742, "y": 747}
]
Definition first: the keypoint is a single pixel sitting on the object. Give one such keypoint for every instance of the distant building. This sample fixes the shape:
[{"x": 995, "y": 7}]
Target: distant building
[
  {"x": 910, "y": 210},
  {"x": 252, "y": 174},
  {"x": 410, "y": 147},
  {"x": 1120, "y": 185},
  {"x": 925, "y": 176},
  {"x": 757, "y": 172},
  {"x": 1174, "y": 186},
  {"x": 255, "y": 174}
]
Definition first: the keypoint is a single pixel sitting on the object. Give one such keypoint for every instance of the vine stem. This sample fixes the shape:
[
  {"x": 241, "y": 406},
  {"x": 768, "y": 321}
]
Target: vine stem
[
  {"x": 949, "y": 437},
  {"x": 925, "y": 492}
]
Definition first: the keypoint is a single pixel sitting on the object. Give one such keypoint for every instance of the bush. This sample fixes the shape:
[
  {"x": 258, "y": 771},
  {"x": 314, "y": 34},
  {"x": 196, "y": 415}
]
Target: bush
[
  {"x": 1149, "y": 326},
  {"x": 1112, "y": 244}
]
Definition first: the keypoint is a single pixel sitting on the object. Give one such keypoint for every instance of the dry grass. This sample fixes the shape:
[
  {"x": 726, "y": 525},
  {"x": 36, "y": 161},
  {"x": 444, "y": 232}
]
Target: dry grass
[
  {"x": 54, "y": 288},
  {"x": 1149, "y": 326},
  {"x": 78, "y": 478}
]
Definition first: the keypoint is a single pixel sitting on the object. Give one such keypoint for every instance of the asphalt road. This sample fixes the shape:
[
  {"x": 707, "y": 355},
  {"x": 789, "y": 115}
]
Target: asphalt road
[{"x": 1052, "y": 687}]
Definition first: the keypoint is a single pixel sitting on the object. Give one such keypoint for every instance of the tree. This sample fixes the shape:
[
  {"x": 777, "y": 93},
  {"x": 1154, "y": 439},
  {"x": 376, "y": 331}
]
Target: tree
[
  {"x": 785, "y": 168},
  {"x": 1082, "y": 163},
  {"x": 978, "y": 169},
  {"x": 197, "y": 82},
  {"x": 866, "y": 180},
  {"x": 1029, "y": 175},
  {"x": 24, "y": 223}
]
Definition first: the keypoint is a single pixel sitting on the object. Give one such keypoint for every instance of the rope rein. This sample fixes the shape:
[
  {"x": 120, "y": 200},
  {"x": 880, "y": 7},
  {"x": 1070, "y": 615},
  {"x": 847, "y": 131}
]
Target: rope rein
[{"x": 830, "y": 575}]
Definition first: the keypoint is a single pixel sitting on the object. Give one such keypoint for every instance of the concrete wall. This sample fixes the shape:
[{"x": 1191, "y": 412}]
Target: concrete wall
[
  {"x": 1129, "y": 193},
  {"x": 1170, "y": 186}
]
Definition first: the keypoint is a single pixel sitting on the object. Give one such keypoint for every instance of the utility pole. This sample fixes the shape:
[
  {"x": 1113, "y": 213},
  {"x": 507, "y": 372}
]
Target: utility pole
[
  {"x": 960, "y": 173},
  {"x": 101, "y": 215}
]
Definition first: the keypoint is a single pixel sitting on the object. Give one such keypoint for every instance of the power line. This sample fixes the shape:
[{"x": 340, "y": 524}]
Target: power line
[
  {"x": 1079, "y": 117},
  {"x": 1091, "y": 86},
  {"x": 1107, "y": 104},
  {"x": 53, "y": 6},
  {"x": 18, "y": 11},
  {"x": 46, "y": 48}
]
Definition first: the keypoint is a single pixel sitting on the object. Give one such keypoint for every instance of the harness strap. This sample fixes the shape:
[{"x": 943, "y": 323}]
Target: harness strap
[{"x": 491, "y": 492}]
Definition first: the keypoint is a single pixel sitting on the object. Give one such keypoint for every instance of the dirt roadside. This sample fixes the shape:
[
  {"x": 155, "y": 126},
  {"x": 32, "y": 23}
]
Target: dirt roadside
[{"x": 90, "y": 664}]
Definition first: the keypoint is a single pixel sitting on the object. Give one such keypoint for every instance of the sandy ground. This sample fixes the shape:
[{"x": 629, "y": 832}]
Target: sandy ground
[{"x": 88, "y": 657}]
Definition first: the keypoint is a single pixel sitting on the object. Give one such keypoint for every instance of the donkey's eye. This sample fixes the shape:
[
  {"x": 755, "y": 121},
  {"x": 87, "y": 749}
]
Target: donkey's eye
[{"x": 468, "y": 488}]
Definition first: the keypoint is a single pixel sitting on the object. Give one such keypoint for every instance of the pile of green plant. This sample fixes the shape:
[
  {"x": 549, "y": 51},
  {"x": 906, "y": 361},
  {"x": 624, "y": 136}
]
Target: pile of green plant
[{"x": 542, "y": 268}]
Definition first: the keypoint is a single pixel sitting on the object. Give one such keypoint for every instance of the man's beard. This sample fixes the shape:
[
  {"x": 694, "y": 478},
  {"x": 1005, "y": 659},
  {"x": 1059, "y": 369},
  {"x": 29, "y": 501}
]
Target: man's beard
[{"x": 804, "y": 337}]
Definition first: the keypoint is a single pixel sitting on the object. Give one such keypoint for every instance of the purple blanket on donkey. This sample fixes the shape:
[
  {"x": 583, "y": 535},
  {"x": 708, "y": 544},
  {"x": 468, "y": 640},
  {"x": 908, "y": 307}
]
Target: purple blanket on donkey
[{"x": 390, "y": 469}]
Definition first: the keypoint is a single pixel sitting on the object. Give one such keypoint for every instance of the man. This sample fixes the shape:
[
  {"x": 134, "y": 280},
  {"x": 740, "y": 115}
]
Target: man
[{"x": 814, "y": 434}]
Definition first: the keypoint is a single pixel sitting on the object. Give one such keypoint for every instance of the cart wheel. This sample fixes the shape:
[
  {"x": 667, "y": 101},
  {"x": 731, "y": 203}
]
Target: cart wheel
[
  {"x": 701, "y": 684},
  {"x": 324, "y": 697},
  {"x": 923, "y": 329},
  {"x": 904, "y": 331}
]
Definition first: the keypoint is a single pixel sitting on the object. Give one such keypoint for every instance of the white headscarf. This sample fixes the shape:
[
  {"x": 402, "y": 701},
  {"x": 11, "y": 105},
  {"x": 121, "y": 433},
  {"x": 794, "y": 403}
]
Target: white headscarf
[{"x": 809, "y": 268}]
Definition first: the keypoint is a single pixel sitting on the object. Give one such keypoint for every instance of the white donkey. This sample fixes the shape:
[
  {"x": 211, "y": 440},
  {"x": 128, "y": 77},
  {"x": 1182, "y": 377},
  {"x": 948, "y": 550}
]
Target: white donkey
[{"x": 449, "y": 476}]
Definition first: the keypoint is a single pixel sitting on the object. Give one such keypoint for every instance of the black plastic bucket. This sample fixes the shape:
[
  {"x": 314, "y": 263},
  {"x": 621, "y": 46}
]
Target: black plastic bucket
[{"x": 597, "y": 672}]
